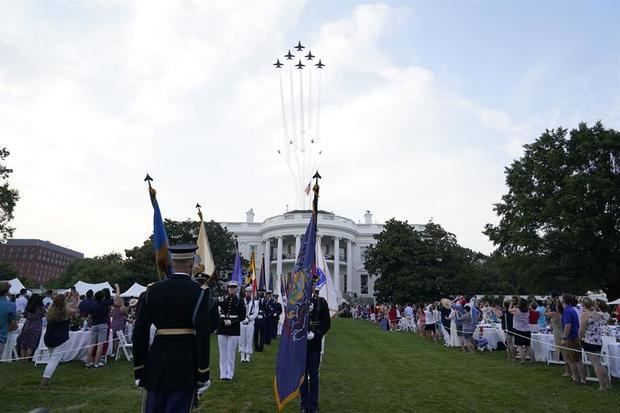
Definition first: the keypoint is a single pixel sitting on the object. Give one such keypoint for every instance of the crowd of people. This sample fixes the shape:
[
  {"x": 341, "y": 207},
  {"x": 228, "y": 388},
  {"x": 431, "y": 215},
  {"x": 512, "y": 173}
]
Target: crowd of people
[
  {"x": 576, "y": 324},
  {"x": 53, "y": 316}
]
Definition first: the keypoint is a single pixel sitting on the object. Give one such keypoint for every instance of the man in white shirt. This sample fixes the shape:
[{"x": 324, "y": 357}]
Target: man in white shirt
[
  {"x": 247, "y": 326},
  {"x": 47, "y": 300},
  {"x": 429, "y": 312},
  {"x": 21, "y": 301}
]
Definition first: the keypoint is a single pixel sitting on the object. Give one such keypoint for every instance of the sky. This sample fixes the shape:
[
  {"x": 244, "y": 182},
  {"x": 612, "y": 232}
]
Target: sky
[{"x": 424, "y": 104}]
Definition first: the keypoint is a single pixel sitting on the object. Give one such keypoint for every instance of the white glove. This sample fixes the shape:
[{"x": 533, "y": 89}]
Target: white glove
[
  {"x": 203, "y": 387},
  {"x": 245, "y": 322},
  {"x": 260, "y": 317},
  {"x": 227, "y": 323},
  {"x": 310, "y": 335},
  {"x": 220, "y": 299},
  {"x": 137, "y": 383}
]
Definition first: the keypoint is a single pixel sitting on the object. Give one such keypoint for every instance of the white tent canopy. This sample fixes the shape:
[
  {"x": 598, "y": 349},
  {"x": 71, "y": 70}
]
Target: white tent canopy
[
  {"x": 16, "y": 286},
  {"x": 134, "y": 291},
  {"x": 81, "y": 287}
]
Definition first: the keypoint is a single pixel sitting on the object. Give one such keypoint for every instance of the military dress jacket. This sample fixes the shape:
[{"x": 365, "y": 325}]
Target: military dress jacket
[
  {"x": 320, "y": 322},
  {"x": 231, "y": 308},
  {"x": 179, "y": 355}
]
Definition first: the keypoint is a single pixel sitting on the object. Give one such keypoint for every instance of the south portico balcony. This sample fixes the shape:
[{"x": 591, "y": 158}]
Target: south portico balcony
[{"x": 291, "y": 257}]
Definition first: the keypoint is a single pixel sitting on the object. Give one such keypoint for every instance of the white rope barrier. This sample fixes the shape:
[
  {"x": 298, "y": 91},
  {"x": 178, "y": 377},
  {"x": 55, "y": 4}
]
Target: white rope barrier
[
  {"x": 108, "y": 341},
  {"x": 437, "y": 323}
]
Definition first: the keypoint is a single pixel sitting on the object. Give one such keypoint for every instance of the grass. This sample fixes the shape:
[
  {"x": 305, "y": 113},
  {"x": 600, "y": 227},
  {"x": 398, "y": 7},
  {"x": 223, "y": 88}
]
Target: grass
[{"x": 364, "y": 370}]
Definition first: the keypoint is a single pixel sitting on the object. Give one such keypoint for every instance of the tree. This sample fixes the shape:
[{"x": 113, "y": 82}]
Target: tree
[
  {"x": 423, "y": 266},
  {"x": 109, "y": 267},
  {"x": 560, "y": 220},
  {"x": 140, "y": 260},
  {"x": 7, "y": 271},
  {"x": 8, "y": 198}
]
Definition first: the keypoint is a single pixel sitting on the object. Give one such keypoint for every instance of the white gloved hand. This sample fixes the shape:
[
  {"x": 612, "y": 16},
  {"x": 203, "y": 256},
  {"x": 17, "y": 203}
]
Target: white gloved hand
[
  {"x": 310, "y": 335},
  {"x": 220, "y": 299},
  {"x": 260, "y": 317},
  {"x": 202, "y": 387},
  {"x": 245, "y": 322},
  {"x": 137, "y": 383},
  {"x": 227, "y": 323}
]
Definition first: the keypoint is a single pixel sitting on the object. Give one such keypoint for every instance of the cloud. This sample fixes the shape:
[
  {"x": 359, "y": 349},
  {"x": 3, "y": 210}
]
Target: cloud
[{"x": 94, "y": 96}]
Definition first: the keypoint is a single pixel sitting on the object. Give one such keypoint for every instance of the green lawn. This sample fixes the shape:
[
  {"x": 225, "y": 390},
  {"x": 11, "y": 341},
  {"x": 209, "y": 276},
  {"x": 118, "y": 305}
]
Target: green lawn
[{"x": 364, "y": 370}]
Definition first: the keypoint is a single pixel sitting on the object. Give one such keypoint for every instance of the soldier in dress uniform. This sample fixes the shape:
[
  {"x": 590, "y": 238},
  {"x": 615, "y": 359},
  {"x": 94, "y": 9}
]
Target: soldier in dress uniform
[
  {"x": 270, "y": 310},
  {"x": 260, "y": 325},
  {"x": 176, "y": 364},
  {"x": 247, "y": 326},
  {"x": 320, "y": 322},
  {"x": 232, "y": 313},
  {"x": 275, "y": 316}
]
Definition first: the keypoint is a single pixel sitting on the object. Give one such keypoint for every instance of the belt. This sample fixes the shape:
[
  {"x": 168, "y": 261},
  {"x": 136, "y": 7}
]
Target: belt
[{"x": 175, "y": 331}]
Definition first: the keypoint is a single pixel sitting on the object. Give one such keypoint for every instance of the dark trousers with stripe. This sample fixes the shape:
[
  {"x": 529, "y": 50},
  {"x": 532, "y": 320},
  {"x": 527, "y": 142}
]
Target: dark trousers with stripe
[
  {"x": 310, "y": 387},
  {"x": 173, "y": 402},
  {"x": 260, "y": 332}
]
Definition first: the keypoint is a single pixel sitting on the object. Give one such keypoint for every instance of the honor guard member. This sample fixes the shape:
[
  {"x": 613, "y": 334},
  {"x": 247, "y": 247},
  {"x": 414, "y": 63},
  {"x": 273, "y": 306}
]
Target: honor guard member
[
  {"x": 270, "y": 310},
  {"x": 260, "y": 325},
  {"x": 176, "y": 365},
  {"x": 247, "y": 326},
  {"x": 232, "y": 313},
  {"x": 320, "y": 322},
  {"x": 275, "y": 316}
]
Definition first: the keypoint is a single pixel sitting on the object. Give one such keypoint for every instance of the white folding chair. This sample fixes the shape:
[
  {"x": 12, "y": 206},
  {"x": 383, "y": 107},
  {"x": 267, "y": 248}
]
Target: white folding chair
[
  {"x": 10, "y": 349},
  {"x": 587, "y": 363},
  {"x": 605, "y": 352},
  {"x": 125, "y": 346}
]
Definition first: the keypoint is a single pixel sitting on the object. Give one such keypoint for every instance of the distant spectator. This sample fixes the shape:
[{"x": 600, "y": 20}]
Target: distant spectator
[
  {"x": 459, "y": 311},
  {"x": 100, "y": 317},
  {"x": 8, "y": 314},
  {"x": 542, "y": 320},
  {"x": 47, "y": 300},
  {"x": 468, "y": 327},
  {"x": 429, "y": 319},
  {"x": 409, "y": 311},
  {"x": 119, "y": 320},
  {"x": 21, "y": 301},
  {"x": 591, "y": 324},
  {"x": 421, "y": 320},
  {"x": 56, "y": 334},
  {"x": 533, "y": 317},
  {"x": 521, "y": 329},
  {"x": 85, "y": 304},
  {"x": 393, "y": 317},
  {"x": 30, "y": 336},
  {"x": 570, "y": 339}
]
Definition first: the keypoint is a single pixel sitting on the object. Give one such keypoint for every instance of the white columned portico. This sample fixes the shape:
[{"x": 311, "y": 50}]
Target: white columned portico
[
  {"x": 337, "y": 263},
  {"x": 349, "y": 266},
  {"x": 267, "y": 257},
  {"x": 297, "y": 245},
  {"x": 279, "y": 263}
]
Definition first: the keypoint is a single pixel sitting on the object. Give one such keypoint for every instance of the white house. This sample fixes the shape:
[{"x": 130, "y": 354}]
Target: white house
[{"x": 344, "y": 243}]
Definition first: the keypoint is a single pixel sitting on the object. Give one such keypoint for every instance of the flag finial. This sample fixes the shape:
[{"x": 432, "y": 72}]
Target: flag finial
[{"x": 148, "y": 179}]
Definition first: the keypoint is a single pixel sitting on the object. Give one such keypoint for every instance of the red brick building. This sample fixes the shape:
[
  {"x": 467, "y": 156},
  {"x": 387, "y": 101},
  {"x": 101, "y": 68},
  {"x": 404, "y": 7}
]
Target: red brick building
[{"x": 36, "y": 259}]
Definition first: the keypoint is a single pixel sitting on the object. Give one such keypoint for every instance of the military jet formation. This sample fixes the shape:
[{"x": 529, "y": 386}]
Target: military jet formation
[{"x": 299, "y": 65}]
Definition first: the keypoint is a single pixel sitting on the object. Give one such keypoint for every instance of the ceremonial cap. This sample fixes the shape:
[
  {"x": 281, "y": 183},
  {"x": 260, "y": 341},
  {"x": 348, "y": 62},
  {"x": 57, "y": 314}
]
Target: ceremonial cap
[
  {"x": 248, "y": 288},
  {"x": 261, "y": 290},
  {"x": 269, "y": 291},
  {"x": 234, "y": 284},
  {"x": 182, "y": 251}
]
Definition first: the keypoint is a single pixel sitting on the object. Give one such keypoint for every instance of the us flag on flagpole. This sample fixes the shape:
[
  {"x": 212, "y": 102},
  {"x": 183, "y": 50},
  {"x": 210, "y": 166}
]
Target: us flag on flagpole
[{"x": 307, "y": 190}]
